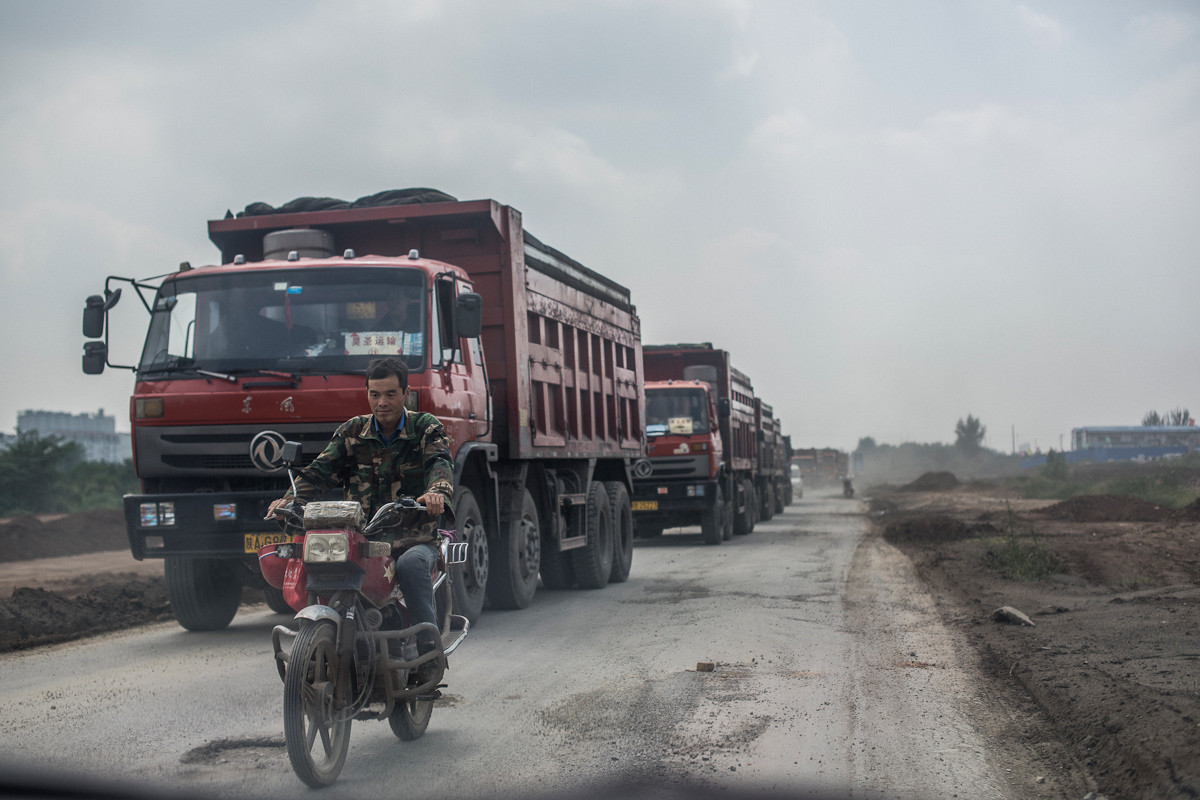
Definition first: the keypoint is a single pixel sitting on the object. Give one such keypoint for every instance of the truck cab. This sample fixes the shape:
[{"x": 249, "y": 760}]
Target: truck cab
[{"x": 686, "y": 458}]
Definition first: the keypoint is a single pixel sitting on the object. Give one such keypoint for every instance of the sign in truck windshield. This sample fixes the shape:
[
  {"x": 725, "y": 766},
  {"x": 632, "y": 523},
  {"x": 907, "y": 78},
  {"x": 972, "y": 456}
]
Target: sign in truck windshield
[
  {"x": 676, "y": 411},
  {"x": 334, "y": 319}
]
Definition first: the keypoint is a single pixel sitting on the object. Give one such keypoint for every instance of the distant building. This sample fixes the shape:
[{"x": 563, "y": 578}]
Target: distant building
[{"x": 97, "y": 433}]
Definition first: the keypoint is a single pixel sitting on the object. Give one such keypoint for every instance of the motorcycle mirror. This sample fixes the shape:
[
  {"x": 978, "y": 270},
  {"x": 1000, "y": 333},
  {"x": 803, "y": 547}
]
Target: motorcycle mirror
[{"x": 290, "y": 456}]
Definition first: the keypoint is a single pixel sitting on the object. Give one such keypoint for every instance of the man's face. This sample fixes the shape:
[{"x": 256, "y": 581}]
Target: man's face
[{"x": 387, "y": 400}]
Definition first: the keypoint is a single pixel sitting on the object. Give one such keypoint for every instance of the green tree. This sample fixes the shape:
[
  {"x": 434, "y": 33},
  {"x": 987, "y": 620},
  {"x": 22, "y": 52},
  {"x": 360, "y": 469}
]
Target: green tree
[
  {"x": 32, "y": 471},
  {"x": 969, "y": 434},
  {"x": 1176, "y": 416},
  {"x": 866, "y": 444}
]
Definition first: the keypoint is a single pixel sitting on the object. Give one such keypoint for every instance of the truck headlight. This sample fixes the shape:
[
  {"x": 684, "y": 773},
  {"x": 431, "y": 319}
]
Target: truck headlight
[{"x": 326, "y": 547}]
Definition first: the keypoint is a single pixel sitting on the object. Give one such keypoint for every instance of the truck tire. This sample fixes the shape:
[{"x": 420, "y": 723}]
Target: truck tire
[
  {"x": 592, "y": 563},
  {"x": 727, "y": 517},
  {"x": 204, "y": 592},
  {"x": 766, "y": 505},
  {"x": 712, "y": 521},
  {"x": 470, "y": 580},
  {"x": 275, "y": 601},
  {"x": 516, "y": 559},
  {"x": 622, "y": 516},
  {"x": 743, "y": 522},
  {"x": 779, "y": 498}
]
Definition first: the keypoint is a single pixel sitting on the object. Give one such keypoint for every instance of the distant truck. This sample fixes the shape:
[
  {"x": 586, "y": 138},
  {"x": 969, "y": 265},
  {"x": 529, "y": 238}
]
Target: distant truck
[
  {"x": 822, "y": 466},
  {"x": 702, "y": 444},
  {"x": 531, "y": 360}
]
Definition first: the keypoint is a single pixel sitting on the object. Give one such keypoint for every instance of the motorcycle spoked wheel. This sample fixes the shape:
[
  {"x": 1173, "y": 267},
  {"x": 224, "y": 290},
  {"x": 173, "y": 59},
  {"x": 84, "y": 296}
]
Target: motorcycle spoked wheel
[{"x": 316, "y": 726}]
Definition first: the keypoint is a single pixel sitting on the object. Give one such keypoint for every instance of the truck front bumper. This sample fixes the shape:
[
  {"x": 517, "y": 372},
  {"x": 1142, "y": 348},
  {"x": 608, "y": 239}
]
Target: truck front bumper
[
  {"x": 212, "y": 525},
  {"x": 673, "y": 502}
]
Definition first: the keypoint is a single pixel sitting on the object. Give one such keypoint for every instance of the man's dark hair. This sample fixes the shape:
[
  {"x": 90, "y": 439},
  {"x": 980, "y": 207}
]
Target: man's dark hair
[{"x": 381, "y": 368}]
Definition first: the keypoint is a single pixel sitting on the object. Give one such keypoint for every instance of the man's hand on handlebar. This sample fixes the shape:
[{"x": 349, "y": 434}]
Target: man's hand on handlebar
[
  {"x": 434, "y": 503},
  {"x": 273, "y": 511}
]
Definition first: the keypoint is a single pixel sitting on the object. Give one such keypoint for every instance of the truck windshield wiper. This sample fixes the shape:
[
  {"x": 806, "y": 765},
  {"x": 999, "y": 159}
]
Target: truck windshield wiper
[{"x": 182, "y": 364}]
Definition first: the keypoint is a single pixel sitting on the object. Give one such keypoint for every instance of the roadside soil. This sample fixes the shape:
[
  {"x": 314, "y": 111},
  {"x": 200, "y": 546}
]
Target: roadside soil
[
  {"x": 65, "y": 576},
  {"x": 1113, "y": 653}
]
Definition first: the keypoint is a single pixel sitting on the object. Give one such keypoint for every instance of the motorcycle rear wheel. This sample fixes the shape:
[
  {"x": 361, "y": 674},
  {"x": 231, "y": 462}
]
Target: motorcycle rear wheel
[
  {"x": 316, "y": 726},
  {"x": 409, "y": 719}
]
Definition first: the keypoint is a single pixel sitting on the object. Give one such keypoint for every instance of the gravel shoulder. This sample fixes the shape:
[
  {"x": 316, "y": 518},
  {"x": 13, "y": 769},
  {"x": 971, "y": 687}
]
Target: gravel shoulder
[{"x": 1113, "y": 655}]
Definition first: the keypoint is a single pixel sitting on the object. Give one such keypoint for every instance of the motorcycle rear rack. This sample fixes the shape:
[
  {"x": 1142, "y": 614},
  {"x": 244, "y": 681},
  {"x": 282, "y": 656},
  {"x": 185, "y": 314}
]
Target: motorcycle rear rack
[{"x": 456, "y": 552}]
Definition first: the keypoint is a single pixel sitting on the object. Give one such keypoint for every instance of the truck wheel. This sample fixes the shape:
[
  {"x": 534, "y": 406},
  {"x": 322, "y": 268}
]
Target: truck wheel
[
  {"x": 514, "y": 575},
  {"x": 712, "y": 520},
  {"x": 592, "y": 563},
  {"x": 204, "y": 592},
  {"x": 779, "y": 498},
  {"x": 622, "y": 516},
  {"x": 743, "y": 522},
  {"x": 727, "y": 519},
  {"x": 275, "y": 601},
  {"x": 766, "y": 506},
  {"x": 470, "y": 579}
]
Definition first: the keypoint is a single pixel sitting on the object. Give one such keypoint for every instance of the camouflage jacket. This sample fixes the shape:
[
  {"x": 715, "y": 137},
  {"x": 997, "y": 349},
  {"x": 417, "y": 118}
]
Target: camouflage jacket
[{"x": 374, "y": 472}]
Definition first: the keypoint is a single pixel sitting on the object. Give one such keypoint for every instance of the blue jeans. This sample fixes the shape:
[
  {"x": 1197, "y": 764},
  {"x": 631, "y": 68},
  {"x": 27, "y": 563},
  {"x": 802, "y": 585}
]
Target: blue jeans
[{"x": 414, "y": 576}]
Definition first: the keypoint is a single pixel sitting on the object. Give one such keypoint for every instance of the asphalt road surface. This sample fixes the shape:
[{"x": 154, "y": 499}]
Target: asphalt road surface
[{"x": 832, "y": 677}]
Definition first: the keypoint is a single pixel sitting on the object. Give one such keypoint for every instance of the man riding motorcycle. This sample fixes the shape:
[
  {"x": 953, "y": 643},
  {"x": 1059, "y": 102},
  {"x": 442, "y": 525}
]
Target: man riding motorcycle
[{"x": 378, "y": 457}]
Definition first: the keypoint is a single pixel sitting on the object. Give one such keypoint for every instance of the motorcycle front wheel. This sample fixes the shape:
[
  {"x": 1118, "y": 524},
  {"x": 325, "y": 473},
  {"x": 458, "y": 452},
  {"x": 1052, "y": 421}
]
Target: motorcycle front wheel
[
  {"x": 316, "y": 723},
  {"x": 409, "y": 719}
]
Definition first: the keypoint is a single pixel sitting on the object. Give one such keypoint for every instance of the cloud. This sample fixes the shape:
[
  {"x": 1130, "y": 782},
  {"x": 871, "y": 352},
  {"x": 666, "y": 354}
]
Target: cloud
[
  {"x": 1048, "y": 32},
  {"x": 1163, "y": 31}
]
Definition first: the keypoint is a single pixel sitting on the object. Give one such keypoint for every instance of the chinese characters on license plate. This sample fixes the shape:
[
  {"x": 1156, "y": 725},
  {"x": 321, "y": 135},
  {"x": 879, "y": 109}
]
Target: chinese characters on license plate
[{"x": 257, "y": 540}]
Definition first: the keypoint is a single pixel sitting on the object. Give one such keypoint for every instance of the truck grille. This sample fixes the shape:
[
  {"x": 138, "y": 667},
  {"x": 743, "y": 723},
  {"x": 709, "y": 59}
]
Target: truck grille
[{"x": 680, "y": 467}]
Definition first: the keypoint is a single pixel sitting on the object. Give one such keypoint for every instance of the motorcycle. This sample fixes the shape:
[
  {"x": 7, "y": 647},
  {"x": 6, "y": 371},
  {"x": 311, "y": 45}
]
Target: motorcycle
[
  {"x": 353, "y": 654},
  {"x": 847, "y": 488}
]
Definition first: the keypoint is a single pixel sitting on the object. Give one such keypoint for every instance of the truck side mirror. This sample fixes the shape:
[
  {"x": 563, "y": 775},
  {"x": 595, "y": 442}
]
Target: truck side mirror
[
  {"x": 95, "y": 356},
  {"x": 723, "y": 407},
  {"x": 291, "y": 454},
  {"x": 468, "y": 315},
  {"x": 93, "y": 317}
]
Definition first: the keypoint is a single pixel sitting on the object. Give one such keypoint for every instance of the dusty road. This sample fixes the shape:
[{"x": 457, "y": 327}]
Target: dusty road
[{"x": 833, "y": 677}]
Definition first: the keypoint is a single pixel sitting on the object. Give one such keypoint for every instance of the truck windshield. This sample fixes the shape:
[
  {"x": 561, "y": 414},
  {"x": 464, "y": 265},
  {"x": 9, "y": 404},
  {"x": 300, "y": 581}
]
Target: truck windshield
[
  {"x": 315, "y": 319},
  {"x": 677, "y": 411}
]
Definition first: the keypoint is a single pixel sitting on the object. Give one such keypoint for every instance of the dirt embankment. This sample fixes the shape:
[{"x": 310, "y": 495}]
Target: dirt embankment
[
  {"x": 1113, "y": 655},
  {"x": 90, "y": 596}
]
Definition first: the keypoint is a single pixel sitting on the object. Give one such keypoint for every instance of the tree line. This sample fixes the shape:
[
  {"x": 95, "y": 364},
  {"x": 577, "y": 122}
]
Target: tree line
[{"x": 48, "y": 474}]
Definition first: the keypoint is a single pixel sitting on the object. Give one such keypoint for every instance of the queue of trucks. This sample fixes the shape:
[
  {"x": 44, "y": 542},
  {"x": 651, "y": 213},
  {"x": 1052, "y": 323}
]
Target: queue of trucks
[{"x": 569, "y": 437}]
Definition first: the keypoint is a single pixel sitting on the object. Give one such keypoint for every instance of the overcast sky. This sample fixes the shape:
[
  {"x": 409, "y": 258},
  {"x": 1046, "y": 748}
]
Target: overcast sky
[{"x": 892, "y": 214}]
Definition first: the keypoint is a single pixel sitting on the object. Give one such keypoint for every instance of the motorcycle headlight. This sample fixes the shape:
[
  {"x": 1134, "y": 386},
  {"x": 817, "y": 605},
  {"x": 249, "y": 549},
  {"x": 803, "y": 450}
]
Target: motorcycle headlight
[{"x": 324, "y": 547}]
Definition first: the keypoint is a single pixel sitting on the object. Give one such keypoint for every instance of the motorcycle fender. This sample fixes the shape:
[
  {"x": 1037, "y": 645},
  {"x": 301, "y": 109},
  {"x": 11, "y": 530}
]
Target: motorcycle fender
[{"x": 318, "y": 612}]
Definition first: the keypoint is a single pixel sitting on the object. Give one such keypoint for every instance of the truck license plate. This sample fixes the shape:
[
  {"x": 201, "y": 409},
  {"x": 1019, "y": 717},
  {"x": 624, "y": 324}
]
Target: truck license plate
[
  {"x": 257, "y": 540},
  {"x": 645, "y": 505}
]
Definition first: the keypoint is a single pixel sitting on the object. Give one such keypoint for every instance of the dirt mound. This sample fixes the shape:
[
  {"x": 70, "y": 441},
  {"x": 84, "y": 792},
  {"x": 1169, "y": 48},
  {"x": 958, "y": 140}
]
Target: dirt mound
[
  {"x": 932, "y": 482},
  {"x": 1189, "y": 513},
  {"x": 50, "y": 535},
  {"x": 33, "y": 617},
  {"x": 932, "y": 528},
  {"x": 1106, "y": 508}
]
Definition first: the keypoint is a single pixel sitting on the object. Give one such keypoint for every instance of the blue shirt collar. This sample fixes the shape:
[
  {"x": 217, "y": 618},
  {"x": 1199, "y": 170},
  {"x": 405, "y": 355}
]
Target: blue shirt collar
[{"x": 395, "y": 433}]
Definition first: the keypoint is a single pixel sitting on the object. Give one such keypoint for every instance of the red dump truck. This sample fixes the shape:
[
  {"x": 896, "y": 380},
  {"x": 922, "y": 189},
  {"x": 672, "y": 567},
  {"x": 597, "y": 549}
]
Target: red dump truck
[
  {"x": 530, "y": 359},
  {"x": 702, "y": 444},
  {"x": 773, "y": 478}
]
